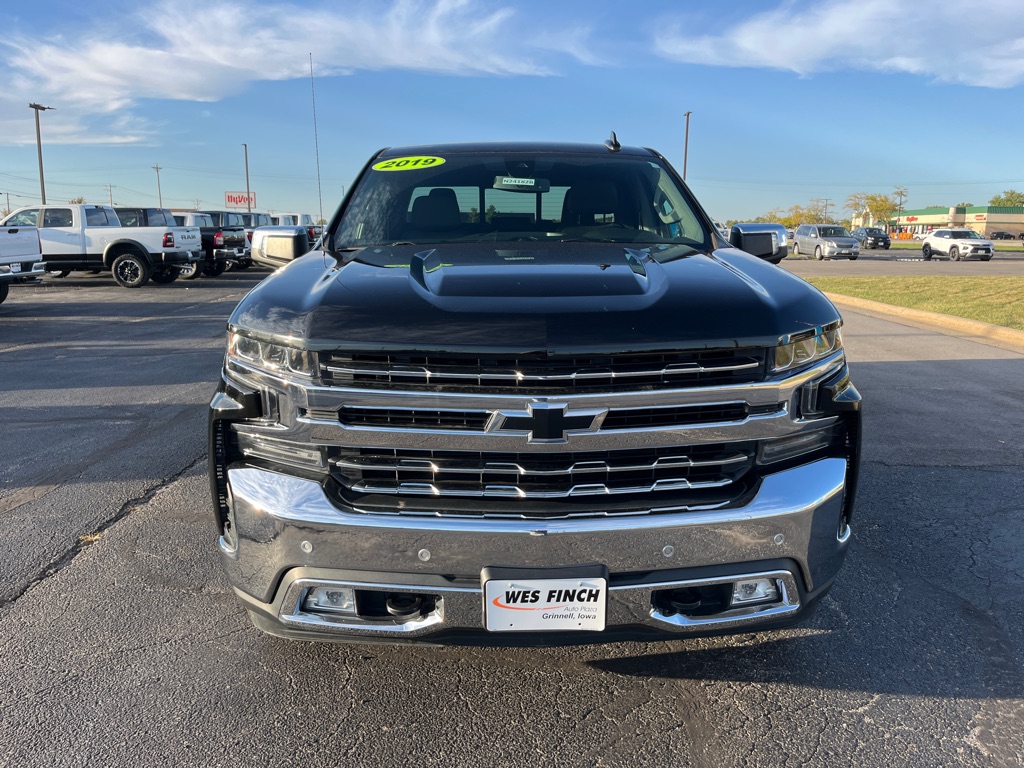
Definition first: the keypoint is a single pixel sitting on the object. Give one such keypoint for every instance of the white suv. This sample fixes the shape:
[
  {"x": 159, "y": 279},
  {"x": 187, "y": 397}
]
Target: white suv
[{"x": 957, "y": 244}]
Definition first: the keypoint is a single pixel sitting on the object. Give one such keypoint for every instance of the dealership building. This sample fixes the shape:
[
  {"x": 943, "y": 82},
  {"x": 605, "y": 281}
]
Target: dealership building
[{"x": 983, "y": 219}]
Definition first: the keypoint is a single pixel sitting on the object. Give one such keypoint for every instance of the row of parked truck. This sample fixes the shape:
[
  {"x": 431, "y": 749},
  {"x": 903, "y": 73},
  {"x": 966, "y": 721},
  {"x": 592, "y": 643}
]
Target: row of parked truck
[{"x": 135, "y": 245}]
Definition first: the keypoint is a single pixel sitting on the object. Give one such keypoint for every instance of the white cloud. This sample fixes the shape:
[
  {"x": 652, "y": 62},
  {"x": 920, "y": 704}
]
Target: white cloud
[
  {"x": 978, "y": 44},
  {"x": 204, "y": 50}
]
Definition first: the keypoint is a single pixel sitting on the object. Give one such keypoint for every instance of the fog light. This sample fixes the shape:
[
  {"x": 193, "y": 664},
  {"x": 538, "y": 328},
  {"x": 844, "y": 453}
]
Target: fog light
[
  {"x": 754, "y": 591},
  {"x": 330, "y": 600}
]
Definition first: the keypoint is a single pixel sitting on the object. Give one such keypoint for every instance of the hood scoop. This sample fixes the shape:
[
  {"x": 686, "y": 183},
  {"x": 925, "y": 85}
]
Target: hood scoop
[{"x": 629, "y": 280}]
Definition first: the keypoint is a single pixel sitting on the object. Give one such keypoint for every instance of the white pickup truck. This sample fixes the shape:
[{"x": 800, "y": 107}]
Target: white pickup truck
[
  {"x": 90, "y": 237},
  {"x": 20, "y": 257}
]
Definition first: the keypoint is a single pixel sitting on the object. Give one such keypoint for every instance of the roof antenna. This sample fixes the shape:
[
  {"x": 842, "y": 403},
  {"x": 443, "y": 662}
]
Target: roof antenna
[
  {"x": 613, "y": 143},
  {"x": 316, "y": 144}
]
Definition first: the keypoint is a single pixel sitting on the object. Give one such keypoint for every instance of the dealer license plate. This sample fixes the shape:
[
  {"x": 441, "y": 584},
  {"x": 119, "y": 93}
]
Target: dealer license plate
[
  {"x": 15, "y": 267},
  {"x": 545, "y": 605}
]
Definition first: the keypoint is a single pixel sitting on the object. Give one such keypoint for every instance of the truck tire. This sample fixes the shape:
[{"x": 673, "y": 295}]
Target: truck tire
[
  {"x": 189, "y": 271},
  {"x": 130, "y": 270},
  {"x": 4, "y": 290},
  {"x": 214, "y": 269},
  {"x": 165, "y": 275}
]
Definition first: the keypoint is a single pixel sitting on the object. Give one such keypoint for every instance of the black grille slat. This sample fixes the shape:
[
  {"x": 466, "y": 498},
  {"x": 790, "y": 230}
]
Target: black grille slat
[{"x": 545, "y": 375}]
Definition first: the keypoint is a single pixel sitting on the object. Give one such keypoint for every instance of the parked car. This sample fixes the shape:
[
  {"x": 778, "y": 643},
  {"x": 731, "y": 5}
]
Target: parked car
[
  {"x": 90, "y": 237},
  {"x": 742, "y": 231},
  {"x": 232, "y": 226},
  {"x": 957, "y": 244},
  {"x": 220, "y": 244},
  {"x": 298, "y": 220},
  {"x": 825, "y": 241},
  {"x": 576, "y": 419},
  {"x": 252, "y": 221},
  {"x": 1001, "y": 235},
  {"x": 187, "y": 238},
  {"x": 21, "y": 257},
  {"x": 872, "y": 237}
]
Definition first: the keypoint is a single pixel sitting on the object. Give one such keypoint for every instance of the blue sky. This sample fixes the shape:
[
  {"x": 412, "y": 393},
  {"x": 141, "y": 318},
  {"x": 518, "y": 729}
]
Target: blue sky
[{"x": 790, "y": 99}]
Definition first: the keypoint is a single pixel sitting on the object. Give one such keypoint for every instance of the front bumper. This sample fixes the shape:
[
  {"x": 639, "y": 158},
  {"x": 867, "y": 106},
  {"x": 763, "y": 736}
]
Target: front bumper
[
  {"x": 830, "y": 251},
  {"x": 288, "y": 535},
  {"x": 20, "y": 271}
]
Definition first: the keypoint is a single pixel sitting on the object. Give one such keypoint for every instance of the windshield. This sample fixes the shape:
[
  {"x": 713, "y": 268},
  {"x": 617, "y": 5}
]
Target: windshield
[
  {"x": 874, "y": 231},
  {"x": 965, "y": 234},
  {"x": 515, "y": 196},
  {"x": 833, "y": 232}
]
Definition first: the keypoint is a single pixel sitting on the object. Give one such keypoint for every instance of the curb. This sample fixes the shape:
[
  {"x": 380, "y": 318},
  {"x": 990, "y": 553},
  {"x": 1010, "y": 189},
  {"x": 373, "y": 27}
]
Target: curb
[{"x": 976, "y": 328}]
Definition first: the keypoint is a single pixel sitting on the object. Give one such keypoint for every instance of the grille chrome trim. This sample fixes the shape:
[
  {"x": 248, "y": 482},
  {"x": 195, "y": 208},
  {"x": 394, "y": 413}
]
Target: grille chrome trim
[
  {"x": 518, "y": 469},
  {"x": 512, "y": 491}
]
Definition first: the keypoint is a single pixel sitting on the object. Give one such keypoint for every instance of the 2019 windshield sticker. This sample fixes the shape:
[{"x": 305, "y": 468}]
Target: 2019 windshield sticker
[{"x": 408, "y": 163}]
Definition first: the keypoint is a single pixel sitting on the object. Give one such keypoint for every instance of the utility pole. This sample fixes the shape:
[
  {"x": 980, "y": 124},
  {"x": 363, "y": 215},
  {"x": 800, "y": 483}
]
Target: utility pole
[
  {"x": 110, "y": 194},
  {"x": 686, "y": 145},
  {"x": 159, "y": 195},
  {"x": 901, "y": 192},
  {"x": 248, "y": 197},
  {"x": 824, "y": 212},
  {"x": 39, "y": 149}
]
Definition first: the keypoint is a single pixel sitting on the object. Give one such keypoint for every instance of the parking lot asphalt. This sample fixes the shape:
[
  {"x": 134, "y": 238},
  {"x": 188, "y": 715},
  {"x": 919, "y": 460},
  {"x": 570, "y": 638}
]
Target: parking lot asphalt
[{"x": 121, "y": 645}]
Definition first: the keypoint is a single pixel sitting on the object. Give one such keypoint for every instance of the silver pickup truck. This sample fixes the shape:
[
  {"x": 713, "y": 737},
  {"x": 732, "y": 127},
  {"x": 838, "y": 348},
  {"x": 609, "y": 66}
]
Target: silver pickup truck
[
  {"x": 90, "y": 237},
  {"x": 20, "y": 257}
]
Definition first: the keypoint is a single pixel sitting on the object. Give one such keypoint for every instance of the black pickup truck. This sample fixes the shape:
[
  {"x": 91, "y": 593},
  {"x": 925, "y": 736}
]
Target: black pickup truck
[
  {"x": 526, "y": 393},
  {"x": 224, "y": 242}
]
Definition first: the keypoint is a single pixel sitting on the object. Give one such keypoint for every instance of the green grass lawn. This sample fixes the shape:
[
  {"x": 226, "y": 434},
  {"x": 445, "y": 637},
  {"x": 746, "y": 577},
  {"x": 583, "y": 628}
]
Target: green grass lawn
[
  {"x": 1001, "y": 245},
  {"x": 996, "y": 300}
]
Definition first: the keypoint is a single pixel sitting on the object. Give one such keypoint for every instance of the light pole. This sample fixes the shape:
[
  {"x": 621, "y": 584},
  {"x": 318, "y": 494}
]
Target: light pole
[
  {"x": 248, "y": 197},
  {"x": 159, "y": 194},
  {"x": 686, "y": 144},
  {"x": 39, "y": 149}
]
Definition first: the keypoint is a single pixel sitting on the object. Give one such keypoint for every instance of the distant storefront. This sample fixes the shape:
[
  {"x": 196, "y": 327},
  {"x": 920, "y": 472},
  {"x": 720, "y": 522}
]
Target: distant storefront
[{"x": 983, "y": 219}]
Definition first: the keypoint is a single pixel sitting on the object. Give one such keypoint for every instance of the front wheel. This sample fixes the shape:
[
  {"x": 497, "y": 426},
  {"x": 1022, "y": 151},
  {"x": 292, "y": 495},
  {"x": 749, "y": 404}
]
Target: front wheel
[
  {"x": 796, "y": 249},
  {"x": 214, "y": 269},
  {"x": 189, "y": 271},
  {"x": 4, "y": 290},
  {"x": 58, "y": 272},
  {"x": 954, "y": 253},
  {"x": 165, "y": 275},
  {"x": 817, "y": 253},
  {"x": 130, "y": 270},
  {"x": 926, "y": 252}
]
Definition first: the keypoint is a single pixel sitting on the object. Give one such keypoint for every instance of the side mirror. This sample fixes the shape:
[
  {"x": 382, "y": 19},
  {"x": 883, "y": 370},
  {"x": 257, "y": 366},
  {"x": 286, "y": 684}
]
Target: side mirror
[{"x": 764, "y": 245}]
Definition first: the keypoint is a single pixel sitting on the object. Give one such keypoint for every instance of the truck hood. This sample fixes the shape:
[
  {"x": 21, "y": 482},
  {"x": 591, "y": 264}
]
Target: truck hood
[{"x": 560, "y": 298}]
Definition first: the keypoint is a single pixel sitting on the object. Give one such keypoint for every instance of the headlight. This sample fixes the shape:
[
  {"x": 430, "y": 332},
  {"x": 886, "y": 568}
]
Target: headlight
[
  {"x": 274, "y": 358},
  {"x": 830, "y": 243},
  {"x": 811, "y": 349}
]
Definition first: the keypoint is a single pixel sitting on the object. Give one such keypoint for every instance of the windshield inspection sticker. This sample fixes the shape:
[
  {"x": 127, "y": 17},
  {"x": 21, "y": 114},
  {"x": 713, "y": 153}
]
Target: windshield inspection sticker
[{"x": 408, "y": 163}]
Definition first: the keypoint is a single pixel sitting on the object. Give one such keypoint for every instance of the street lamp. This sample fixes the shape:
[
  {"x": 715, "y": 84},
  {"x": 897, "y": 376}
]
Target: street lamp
[
  {"x": 248, "y": 196},
  {"x": 39, "y": 149}
]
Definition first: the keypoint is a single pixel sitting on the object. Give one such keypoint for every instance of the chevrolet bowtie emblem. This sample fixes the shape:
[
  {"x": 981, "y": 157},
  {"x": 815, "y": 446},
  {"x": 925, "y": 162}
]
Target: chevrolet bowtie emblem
[{"x": 545, "y": 422}]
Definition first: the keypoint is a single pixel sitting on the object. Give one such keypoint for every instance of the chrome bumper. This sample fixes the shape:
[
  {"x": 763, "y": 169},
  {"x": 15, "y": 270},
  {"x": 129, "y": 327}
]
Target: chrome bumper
[
  {"x": 35, "y": 269},
  {"x": 289, "y": 534}
]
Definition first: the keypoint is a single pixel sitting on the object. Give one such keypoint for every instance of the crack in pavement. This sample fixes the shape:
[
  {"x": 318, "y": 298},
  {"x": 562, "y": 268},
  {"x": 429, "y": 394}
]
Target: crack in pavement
[{"x": 63, "y": 560}]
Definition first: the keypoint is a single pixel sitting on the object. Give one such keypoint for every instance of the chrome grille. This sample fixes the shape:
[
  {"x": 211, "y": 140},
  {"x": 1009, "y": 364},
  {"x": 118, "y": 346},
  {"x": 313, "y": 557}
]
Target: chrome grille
[
  {"x": 706, "y": 474},
  {"x": 542, "y": 374}
]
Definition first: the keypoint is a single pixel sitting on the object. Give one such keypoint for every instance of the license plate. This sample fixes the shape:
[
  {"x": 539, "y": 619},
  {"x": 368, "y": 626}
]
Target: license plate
[
  {"x": 15, "y": 267},
  {"x": 845, "y": 253},
  {"x": 545, "y": 605}
]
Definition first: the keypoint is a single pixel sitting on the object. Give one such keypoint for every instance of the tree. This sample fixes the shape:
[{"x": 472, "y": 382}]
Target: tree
[
  {"x": 881, "y": 207},
  {"x": 856, "y": 203},
  {"x": 1010, "y": 198},
  {"x": 77, "y": 201},
  {"x": 965, "y": 205}
]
